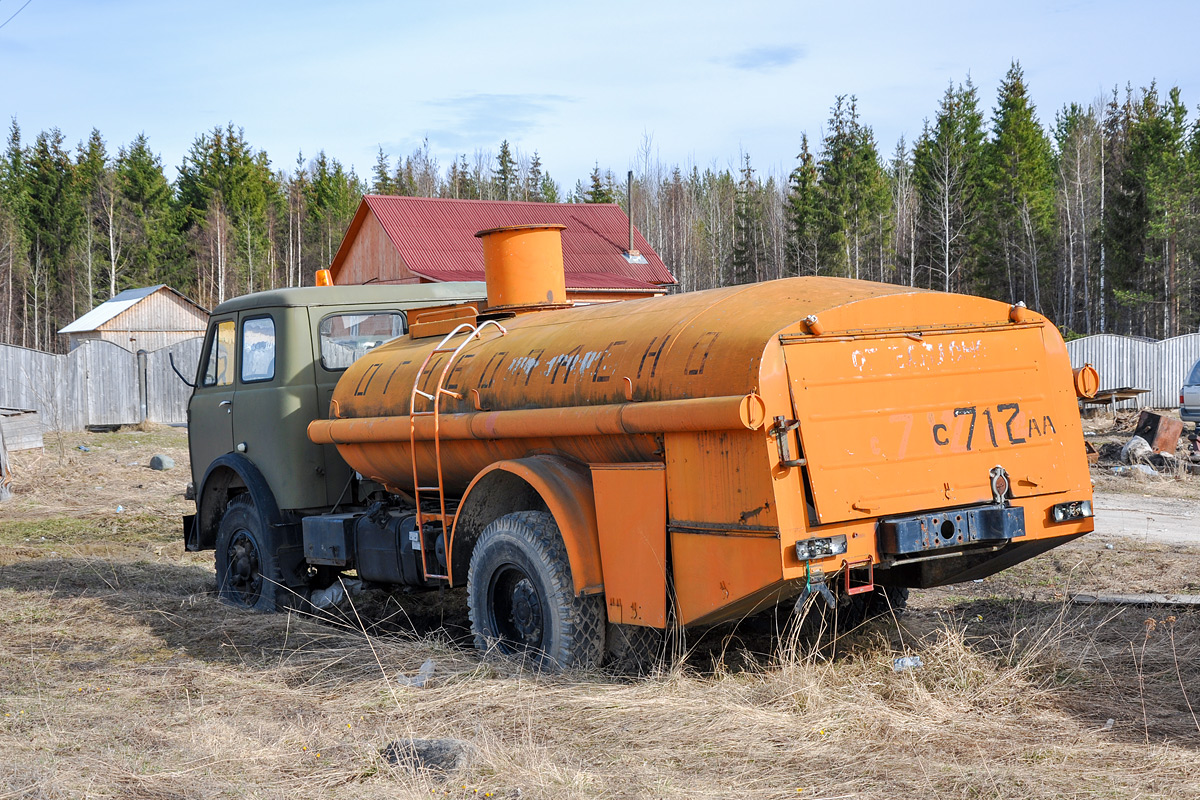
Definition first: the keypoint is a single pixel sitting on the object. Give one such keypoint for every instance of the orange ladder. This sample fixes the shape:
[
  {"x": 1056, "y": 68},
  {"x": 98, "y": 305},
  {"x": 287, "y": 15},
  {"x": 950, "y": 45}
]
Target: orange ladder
[{"x": 440, "y": 516}]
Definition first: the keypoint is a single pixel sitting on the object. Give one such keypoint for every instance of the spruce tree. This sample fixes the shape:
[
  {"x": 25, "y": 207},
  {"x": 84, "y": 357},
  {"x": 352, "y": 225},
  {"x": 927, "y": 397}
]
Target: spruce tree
[
  {"x": 95, "y": 182},
  {"x": 854, "y": 193},
  {"x": 532, "y": 187},
  {"x": 748, "y": 255},
  {"x": 146, "y": 198},
  {"x": 600, "y": 187},
  {"x": 947, "y": 167},
  {"x": 53, "y": 219},
  {"x": 1020, "y": 197},
  {"x": 506, "y": 173},
  {"x": 381, "y": 175},
  {"x": 802, "y": 211}
]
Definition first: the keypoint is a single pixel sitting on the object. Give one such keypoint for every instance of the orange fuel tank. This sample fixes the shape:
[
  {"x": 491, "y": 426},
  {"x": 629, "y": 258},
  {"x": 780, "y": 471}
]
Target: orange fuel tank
[{"x": 798, "y": 427}]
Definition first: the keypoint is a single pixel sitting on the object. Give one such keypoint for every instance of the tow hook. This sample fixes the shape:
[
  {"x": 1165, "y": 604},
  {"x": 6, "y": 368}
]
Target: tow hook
[{"x": 814, "y": 583}]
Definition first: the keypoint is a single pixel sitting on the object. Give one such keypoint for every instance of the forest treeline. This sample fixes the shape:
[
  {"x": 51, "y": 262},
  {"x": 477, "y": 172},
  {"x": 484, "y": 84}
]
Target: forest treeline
[{"x": 1090, "y": 217}]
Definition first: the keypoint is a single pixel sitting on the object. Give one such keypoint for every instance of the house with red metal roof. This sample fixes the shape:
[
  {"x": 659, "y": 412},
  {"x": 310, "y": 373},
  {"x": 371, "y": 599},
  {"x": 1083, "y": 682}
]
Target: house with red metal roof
[{"x": 431, "y": 240}]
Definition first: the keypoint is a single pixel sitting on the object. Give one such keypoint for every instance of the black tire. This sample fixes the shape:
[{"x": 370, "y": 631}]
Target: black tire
[
  {"x": 633, "y": 649},
  {"x": 248, "y": 574},
  {"x": 521, "y": 598}
]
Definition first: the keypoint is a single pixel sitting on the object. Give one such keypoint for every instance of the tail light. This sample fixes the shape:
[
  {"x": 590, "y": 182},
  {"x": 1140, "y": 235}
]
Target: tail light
[{"x": 1065, "y": 512}]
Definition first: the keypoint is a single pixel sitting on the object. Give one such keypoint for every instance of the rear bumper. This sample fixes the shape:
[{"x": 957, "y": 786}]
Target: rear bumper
[
  {"x": 959, "y": 527},
  {"x": 1189, "y": 413}
]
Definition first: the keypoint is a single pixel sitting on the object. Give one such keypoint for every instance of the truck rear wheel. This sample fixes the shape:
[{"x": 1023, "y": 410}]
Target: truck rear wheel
[
  {"x": 521, "y": 597},
  {"x": 248, "y": 573},
  {"x": 633, "y": 649}
]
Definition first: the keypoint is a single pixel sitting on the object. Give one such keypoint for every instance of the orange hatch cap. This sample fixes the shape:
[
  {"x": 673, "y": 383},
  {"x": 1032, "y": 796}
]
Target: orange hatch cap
[{"x": 523, "y": 267}]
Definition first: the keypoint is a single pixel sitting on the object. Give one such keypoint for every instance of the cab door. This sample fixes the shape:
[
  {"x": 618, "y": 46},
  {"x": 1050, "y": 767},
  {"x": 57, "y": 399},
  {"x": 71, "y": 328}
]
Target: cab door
[
  {"x": 275, "y": 401},
  {"x": 210, "y": 410}
]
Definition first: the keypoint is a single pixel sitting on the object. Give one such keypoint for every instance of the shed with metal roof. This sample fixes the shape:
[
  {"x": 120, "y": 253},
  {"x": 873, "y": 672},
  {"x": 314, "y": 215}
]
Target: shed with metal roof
[
  {"x": 148, "y": 318},
  {"x": 431, "y": 240}
]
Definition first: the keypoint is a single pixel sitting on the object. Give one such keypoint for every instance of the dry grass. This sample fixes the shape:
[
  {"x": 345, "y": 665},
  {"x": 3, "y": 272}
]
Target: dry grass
[{"x": 124, "y": 678}]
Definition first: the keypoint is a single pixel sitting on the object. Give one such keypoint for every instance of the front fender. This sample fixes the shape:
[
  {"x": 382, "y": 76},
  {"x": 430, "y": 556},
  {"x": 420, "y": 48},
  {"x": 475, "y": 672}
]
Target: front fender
[{"x": 225, "y": 477}]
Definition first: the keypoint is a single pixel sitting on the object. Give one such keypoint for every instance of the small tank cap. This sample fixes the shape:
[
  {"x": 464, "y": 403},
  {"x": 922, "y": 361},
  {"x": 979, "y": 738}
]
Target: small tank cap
[{"x": 548, "y": 226}]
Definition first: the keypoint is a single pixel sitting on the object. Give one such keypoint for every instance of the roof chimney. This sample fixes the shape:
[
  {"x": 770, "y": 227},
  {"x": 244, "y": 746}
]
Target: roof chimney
[
  {"x": 523, "y": 267},
  {"x": 631, "y": 253}
]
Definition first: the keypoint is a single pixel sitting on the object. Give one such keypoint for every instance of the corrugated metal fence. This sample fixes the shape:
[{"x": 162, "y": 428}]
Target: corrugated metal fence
[
  {"x": 1124, "y": 361},
  {"x": 98, "y": 383}
]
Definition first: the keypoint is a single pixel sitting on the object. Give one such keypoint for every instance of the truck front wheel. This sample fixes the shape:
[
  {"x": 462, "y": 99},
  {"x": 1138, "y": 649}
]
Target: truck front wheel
[
  {"x": 248, "y": 573},
  {"x": 521, "y": 597}
]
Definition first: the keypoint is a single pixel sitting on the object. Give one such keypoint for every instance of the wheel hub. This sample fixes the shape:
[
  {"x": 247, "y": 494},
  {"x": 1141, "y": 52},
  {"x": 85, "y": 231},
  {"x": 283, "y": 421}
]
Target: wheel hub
[
  {"x": 527, "y": 611},
  {"x": 245, "y": 573},
  {"x": 517, "y": 609}
]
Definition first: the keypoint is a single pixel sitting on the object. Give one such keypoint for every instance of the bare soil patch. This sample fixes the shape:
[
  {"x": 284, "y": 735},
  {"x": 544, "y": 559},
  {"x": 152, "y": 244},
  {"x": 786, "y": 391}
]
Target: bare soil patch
[{"x": 125, "y": 678}]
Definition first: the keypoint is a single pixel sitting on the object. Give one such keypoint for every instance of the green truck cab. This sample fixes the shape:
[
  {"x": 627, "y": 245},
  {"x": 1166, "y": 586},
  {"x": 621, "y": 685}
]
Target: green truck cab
[{"x": 268, "y": 367}]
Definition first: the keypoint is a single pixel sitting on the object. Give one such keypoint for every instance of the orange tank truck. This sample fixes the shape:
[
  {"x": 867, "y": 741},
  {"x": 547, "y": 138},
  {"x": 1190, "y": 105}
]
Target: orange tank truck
[{"x": 592, "y": 474}]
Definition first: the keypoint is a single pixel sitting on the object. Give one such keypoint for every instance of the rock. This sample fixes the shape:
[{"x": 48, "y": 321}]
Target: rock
[
  {"x": 161, "y": 462},
  {"x": 1135, "y": 450},
  {"x": 439, "y": 755}
]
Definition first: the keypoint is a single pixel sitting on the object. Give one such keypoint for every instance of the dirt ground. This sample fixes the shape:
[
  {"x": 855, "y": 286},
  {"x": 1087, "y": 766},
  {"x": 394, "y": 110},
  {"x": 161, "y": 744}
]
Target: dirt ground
[{"x": 123, "y": 677}]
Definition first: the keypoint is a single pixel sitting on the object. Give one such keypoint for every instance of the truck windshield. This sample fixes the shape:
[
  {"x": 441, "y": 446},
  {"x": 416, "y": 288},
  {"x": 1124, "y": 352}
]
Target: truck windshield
[{"x": 347, "y": 337}]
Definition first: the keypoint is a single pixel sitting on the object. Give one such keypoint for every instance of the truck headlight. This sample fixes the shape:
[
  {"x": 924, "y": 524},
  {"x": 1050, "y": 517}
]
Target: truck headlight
[
  {"x": 812, "y": 549},
  {"x": 1077, "y": 509}
]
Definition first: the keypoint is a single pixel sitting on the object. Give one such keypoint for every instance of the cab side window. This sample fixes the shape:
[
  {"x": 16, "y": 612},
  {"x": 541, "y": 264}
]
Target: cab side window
[
  {"x": 218, "y": 365},
  {"x": 347, "y": 337},
  {"x": 258, "y": 349}
]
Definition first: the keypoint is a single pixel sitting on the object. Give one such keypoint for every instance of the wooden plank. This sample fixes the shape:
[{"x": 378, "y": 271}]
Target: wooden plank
[
  {"x": 22, "y": 429},
  {"x": 1137, "y": 599}
]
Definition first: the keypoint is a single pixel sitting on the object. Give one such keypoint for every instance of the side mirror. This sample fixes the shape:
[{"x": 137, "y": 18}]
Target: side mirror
[{"x": 171, "y": 358}]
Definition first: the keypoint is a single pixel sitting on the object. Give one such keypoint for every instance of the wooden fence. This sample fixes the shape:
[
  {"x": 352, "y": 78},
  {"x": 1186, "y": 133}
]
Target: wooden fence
[{"x": 98, "y": 383}]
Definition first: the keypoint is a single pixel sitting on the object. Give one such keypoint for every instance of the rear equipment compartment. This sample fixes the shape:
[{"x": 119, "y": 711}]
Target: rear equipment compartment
[{"x": 892, "y": 421}]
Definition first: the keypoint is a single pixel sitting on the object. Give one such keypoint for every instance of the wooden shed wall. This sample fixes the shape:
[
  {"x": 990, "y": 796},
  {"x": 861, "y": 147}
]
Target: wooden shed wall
[
  {"x": 162, "y": 311},
  {"x": 372, "y": 257},
  {"x": 160, "y": 320}
]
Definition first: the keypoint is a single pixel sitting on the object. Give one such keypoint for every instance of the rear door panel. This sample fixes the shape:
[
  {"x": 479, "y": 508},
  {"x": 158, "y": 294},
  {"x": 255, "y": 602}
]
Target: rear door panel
[{"x": 895, "y": 423}]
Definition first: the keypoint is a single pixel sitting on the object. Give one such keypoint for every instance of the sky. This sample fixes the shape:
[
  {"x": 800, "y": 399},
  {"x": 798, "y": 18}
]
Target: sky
[{"x": 581, "y": 83}]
